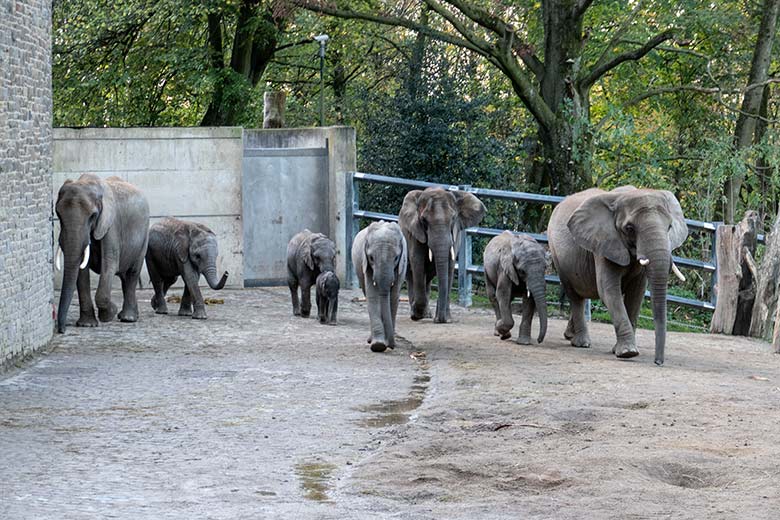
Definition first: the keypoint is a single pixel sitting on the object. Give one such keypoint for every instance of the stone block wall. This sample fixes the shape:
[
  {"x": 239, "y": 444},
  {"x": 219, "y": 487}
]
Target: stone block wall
[{"x": 25, "y": 178}]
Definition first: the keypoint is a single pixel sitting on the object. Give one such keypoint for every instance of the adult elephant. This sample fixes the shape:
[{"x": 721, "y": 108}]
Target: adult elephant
[
  {"x": 179, "y": 247},
  {"x": 105, "y": 227},
  {"x": 514, "y": 267},
  {"x": 432, "y": 221},
  {"x": 607, "y": 245}
]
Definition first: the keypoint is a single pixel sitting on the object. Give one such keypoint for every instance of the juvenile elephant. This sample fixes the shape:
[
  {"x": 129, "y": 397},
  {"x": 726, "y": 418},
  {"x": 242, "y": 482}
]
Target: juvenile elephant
[
  {"x": 308, "y": 255},
  {"x": 514, "y": 267},
  {"x": 379, "y": 256},
  {"x": 432, "y": 221},
  {"x": 607, "y": 245},
  {"x": 104, "y": 225},
  {"x": 327, "y": 292},
  {"x": 186, "y": 249}
]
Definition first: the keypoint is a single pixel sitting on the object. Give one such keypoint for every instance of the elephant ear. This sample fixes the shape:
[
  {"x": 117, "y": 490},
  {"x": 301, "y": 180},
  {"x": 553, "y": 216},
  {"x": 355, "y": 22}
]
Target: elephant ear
[
  {"x": 506, "y": 260},
  {"x": 470, "y": 208},
  {"x": 404, "y": 256},
  {"x": 107, "y": 212},
  {"x": 679, "y": 231},
  {"x": 592, "y": 226},
  {"x": 181, "y": 244},
  {"x": 409, "y": 216},
  {"x": 305, "y": 251}
]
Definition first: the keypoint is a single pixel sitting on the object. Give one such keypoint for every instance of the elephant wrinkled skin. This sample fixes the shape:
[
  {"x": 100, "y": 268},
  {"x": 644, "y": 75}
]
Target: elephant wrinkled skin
[
  {"x": 514, "y": 267},
  {"x": 186, "y": 249},
  {"x": 104, "y": 226},
  {"x": 608, "y": 245},
  {"x": 432, "y": 221},
  {"x": 379, "y": 255},
  {"x": 327, "y": 292},
  {"x": 308, "y": 255}
]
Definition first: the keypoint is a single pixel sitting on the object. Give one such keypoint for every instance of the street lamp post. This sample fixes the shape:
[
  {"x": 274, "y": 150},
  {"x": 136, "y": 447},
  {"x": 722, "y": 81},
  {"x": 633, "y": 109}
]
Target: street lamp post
[{"x": 323, "y": 41}]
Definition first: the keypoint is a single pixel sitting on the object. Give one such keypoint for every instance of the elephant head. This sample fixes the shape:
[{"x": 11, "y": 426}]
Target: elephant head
[
  {"x": 319, "y": 253},
  {"x": 525, "y": 261},
  {"x": 435, "y": 217},
  {"x": 197, "y": 244},
  {"x": 86, "y": 210},
  {"x": 629, "y": 225},
  {"x": 384, "y": 255}
]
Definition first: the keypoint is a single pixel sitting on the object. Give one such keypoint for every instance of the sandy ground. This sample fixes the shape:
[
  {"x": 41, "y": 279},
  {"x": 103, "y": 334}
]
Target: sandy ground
[{"x": 257, "y": 414}]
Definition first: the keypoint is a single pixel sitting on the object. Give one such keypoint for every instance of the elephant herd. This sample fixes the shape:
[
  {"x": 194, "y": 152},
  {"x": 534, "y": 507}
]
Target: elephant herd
[{"x": 603, "y": 244}]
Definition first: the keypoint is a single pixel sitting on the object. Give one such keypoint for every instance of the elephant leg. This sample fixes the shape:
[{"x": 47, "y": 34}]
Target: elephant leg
[
  {"x": 192, "y": 292},
  {"x": 524, "y": 332},
  {"x": 333, "y": 309},
  {"x": 158, "y": 300},
  {"x": 421, "y": 285},
  {"x": 106, "y": 308},
  {"x": 635, "y": 295},
  {"x": 491, "y": 293},
  {"x": 129, "y": 313},
  {"x": 305, "y": 297},
  {"x": 86, "y": 309},
  {"x": 292, "y": 283},
  {"x": 395, "y": 294},
  {"x": 185, "y": 308},
  {"x": 577, "y": 329},
  {"x": 504, "y": 298},
  {"x": 322, "y": 308},
  {"x": 610, "y": 292}
]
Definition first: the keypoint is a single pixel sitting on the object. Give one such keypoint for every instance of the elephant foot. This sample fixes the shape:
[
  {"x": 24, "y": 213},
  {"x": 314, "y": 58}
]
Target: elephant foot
[
  {"x": 333, "y": 322},
  {"x": 128, "y": 316},
  {"x": 378, "y": 346},
  {"x": 87, "y": 321},
  {"x": 569, "y": 332},
  {"x": 185, "y": 311},
  {"x": 106, "y": 314},
  {"x": 523, "y": 339},
  {"x": 581, "y": 340},
  {"x": 161, "y": 310},
  {"x": 439, "y": 319},
  {"x": 625, "y": 350},
  {"x": 199, "y": 314},
  {"x": 305, "y": 314}
]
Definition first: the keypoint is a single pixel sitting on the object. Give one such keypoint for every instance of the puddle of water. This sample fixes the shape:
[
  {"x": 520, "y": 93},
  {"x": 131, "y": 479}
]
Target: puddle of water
[
  {"x": 315, "y": 479},
  {"x": 398, "y": 411}
]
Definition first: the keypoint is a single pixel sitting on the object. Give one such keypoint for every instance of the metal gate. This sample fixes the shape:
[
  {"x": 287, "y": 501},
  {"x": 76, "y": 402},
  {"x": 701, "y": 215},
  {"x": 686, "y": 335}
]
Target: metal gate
[{"x": 285, "y": 190}]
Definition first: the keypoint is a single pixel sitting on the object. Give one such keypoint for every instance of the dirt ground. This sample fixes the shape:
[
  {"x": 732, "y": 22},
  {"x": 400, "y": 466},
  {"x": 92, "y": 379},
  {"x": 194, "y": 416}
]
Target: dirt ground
[{"x": 258, "y": 414}]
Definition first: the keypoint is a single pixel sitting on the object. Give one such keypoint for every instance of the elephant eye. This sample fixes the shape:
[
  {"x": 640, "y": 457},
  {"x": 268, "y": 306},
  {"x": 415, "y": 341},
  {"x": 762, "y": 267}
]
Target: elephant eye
[{"x": 629, "y": 228}]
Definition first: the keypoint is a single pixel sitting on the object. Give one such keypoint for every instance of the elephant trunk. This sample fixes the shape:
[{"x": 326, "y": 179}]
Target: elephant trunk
[
  {"x": 442, "y": 252},
  {"x": 73, "y": 249},
  {"x": 387, "y": 320},
  {"x": 537, "y": 289},
  {"x": 658, "y": 277},
  {"x": 211, "y": 279}
]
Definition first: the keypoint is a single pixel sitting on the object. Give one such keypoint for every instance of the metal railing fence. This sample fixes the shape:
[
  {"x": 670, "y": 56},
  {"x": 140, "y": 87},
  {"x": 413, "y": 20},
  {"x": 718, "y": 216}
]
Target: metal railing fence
[{"x": 354, "y": 214}]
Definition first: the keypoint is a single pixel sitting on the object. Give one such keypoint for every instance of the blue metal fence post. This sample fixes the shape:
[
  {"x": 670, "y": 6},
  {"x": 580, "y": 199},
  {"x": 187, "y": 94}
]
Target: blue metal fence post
[
  {"x": 351, "y": 200},
  {"x": 714, "y": 261},
  {"x": 464, "y": 262}
]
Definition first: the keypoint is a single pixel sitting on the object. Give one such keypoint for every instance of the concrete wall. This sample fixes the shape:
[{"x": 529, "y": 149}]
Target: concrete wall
[
  {"x": 188, "y": 173},
  {"x": 342, "y": 158},
  {"x": 25, "y": 173}
]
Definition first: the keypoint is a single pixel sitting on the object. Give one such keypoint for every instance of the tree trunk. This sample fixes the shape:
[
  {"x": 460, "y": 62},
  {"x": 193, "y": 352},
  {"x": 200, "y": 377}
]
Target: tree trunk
[
  {"x": 751, "y": 102},
  {"x": 273, "y": 109},
  {"x": 765, "y": 308},
  {"x": 736, "y": 284}
]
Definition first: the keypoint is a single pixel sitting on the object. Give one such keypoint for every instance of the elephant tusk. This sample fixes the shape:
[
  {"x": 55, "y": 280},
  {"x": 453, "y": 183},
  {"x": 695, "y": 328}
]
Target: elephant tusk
[
  {"x": 85, "y": 262},
  {"x": 57, "y": 263},
  {"x": 644, "y": 261},
  {"x": 677, "y": 272},
  {"x": 430, "y": 255},
  {"x": 452, "y": 252}
]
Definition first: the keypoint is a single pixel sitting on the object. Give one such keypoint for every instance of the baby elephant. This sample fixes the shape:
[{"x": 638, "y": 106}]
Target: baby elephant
[
  {"x": 327, "y": 297},
  {"x": 177, "y": 247},
  {"x": 379, "y": 257},
  {"x": 514, "y": 267},
  {"x": 308, "y": 255}
]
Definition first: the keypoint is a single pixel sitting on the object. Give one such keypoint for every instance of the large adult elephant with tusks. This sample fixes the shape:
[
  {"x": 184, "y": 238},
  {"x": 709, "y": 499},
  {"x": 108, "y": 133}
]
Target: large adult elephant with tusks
[
  {"x": 432, "y": 221},
  {"x": 104, "y": 226},
  {"x": 608, "y": 245}
]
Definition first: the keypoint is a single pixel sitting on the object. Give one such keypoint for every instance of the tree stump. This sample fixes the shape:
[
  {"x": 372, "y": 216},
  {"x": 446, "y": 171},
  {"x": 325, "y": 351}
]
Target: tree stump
[
  {"x": 765, "y": 312},
  {"x": 273, "y": 109},
  {"x": 736, "y": 282}
]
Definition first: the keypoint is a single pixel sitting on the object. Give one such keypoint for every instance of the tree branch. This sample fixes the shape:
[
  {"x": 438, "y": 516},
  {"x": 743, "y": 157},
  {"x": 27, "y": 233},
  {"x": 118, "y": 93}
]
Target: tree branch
[
  {"x": 580, "y": 8},
  {"x": 634, "y": 55},
  {"x": 459, "y": 26}
]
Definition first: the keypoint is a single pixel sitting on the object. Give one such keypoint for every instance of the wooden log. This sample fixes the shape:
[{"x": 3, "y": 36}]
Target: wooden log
[
  {"x": 765, "y": 309},
  {"x": 735, "y": 285},
  {"x": 273, "y": 109}
]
